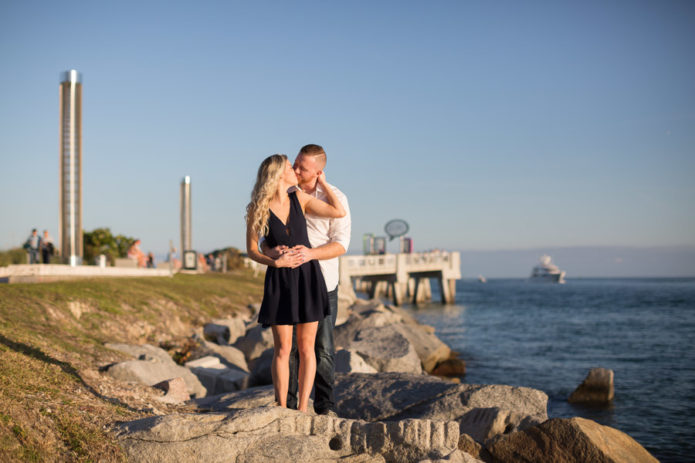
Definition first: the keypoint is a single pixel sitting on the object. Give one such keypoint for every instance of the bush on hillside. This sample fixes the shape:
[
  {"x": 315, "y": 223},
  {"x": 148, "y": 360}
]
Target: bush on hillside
[
  {"x": 102, "y": 241},
  {"x": 13, "y": 256}
]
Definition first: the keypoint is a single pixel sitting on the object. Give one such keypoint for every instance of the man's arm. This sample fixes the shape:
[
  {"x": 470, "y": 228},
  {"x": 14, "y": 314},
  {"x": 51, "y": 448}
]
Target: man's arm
[
  {"x": 339, "y": 235},
  {"x": 326, "y": 251}
]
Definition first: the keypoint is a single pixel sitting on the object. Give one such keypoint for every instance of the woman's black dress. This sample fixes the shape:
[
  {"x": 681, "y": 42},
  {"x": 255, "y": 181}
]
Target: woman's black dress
[{"x": 290, "y": 295}]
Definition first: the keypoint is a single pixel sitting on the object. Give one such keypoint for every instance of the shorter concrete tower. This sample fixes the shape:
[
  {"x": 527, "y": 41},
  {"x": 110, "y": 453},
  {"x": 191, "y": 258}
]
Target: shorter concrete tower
[{"x": 186, "y": 216}]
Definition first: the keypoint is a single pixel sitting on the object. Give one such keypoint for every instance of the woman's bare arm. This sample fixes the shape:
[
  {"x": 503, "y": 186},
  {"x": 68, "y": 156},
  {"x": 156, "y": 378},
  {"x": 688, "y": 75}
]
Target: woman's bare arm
[{"x": 332, "y": 209}]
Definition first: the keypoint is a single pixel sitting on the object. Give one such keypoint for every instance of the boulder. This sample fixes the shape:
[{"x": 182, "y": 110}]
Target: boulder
[
  {"x": 429, "y": 348},
  {"x": 216, "y": 377},
  {"x": 457, "y": 456},
  {"x": 261, "y": 373},
  {"x": 386, "y": 349},
  {"x": 349, "y": 361},
  {"x": 254, "y": 342},
  {"x": 569, "y": 440},
  {"x": 175, "y": 389},
  {"x": 597, "y": 388},
  {"x": 143, "y": 352},
  {"x": 346, "y": 298},
  {"x": 224, "y": 331},
  {"x": 395, "y": 396},
  {"x": 469, "y": 446},
  {"x": 230, "y": 356},
  {"x": 483, "y": 424},
  {"x": 451, "y": 367},
  {"x": 151, "y": 372},
  {"x": 344, "y": 335},
  {"x": 278, "y": 434},
  {"x": 249, "y": 398}
]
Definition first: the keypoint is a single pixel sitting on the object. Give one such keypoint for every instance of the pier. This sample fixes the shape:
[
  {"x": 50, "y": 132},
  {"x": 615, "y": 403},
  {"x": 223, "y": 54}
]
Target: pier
[{"x": 403, "y": 276}]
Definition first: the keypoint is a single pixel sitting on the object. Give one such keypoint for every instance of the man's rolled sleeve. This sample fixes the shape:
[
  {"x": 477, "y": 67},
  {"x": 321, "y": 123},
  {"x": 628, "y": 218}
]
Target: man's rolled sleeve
[{"x": 339, "y": 230}]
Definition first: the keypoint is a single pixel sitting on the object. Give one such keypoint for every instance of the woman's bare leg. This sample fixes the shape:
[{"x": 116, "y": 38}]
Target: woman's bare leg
[
  {"x": 282, "y": 345},
  {"x": 306, "y": 335}
]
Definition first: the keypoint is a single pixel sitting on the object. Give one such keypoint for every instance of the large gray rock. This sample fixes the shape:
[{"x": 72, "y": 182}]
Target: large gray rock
[
  {"x": 143, "y": 352},
  {"x": 249, "y": 398},
  {"x": 429, "y": 348},
  {"x": 216, "y": 377},
  {"x": 456, "y": 456},
  {"x": 346, "y": 298},
  {"x": 386, "y": 349},
  {"x": 372, "y": 314},
  {"x": 279, "y": 434},
  {"x": 396, "y": 396},
  {"x": 569, "y": 440},
  {"x": 597, "y": 388},
  {"x": 224, "y": 331},
  {"x": 344, "y": 335},
  {"x": 151, "y": 372},
  {"x": 175, "y": 390},
  {"x": 349, "y": 361},
  {"x": 230, "y": 356},
  {"x": 152, "y": 365},
  {"x": 254, "y": 342},
  {"x": 483, "y": 424},
  {"x": 261, "y": 373}
]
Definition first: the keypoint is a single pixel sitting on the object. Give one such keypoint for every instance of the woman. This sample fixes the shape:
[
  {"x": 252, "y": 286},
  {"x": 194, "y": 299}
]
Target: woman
[{"x": 294, "y": 292}]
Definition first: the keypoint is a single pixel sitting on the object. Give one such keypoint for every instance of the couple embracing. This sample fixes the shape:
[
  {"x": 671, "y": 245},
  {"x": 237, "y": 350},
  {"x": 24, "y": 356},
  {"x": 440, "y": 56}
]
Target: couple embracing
[{"x": 302, "y": 225}]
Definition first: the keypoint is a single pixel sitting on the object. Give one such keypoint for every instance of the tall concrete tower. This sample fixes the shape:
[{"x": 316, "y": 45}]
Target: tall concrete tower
[
  {"x": 186, "y": 230},
  {"x": 70, "y": 233}
]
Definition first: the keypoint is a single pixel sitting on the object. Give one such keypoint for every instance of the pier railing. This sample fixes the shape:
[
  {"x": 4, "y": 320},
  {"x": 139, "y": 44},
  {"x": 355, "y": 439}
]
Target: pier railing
[{"x": 403, "y": 274}]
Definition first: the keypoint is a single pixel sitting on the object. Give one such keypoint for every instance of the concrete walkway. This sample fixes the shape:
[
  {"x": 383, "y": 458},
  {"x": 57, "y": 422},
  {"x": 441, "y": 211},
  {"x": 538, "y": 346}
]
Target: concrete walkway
[{"x": 54, "y": 272}]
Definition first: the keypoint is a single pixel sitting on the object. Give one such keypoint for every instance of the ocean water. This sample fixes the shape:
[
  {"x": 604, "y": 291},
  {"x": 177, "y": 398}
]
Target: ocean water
[{"x": 549, "y": 336}]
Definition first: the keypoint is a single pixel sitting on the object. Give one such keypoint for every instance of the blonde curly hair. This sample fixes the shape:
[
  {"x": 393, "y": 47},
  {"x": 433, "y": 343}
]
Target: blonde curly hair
[{"x": 258, "y": 210}]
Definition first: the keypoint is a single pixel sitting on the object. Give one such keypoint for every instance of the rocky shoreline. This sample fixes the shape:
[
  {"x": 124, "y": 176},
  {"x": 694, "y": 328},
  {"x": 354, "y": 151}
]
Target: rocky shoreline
[{"x": 390, "y": 406}]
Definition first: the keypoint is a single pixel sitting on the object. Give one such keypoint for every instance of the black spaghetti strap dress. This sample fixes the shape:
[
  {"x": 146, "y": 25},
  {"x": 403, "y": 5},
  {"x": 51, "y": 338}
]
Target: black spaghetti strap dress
[{"x": 290, "y": 295}]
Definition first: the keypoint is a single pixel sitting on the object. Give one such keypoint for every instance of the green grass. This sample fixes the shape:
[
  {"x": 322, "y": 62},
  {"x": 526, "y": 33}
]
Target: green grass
[{"x": 48, "y": 412}]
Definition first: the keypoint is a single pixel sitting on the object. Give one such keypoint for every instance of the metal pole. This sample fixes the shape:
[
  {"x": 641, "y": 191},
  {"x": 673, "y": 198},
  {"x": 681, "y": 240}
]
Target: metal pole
[
  {"x": 186, "y": 214},
  {"x": 70, "y": 175}
]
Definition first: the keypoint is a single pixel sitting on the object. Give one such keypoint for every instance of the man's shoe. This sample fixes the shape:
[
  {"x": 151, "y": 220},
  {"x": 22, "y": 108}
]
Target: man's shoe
[{"x": 328, "y": 412}]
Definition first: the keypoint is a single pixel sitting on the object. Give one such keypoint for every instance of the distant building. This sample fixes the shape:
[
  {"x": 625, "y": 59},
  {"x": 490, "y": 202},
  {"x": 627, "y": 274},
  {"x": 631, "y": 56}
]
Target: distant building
[{"x": 70, "y": 227}]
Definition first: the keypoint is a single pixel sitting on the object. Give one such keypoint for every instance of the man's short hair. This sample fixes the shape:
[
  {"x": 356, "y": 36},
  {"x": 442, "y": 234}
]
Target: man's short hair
[{"x": 316, "y": 151}]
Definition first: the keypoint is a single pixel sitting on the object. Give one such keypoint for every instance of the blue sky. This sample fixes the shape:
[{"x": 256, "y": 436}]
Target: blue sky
[{"x": 485, "y": 125}]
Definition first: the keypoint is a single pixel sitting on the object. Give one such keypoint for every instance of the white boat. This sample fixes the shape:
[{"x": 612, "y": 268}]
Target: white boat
[
  {"x": 547, "y": 272},
  {"x": 482, "y": 279}
]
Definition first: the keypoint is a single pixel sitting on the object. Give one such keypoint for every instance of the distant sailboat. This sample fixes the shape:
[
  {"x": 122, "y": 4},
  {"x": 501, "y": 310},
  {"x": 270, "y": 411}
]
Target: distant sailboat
[
  {"x": 482, "y": 279},
  {"x": 547, "y": 272}
]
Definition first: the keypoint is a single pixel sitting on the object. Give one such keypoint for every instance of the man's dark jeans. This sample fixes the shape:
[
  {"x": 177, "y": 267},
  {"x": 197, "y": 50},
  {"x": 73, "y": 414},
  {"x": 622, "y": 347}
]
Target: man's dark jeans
[{"x": 325, "y": 367}]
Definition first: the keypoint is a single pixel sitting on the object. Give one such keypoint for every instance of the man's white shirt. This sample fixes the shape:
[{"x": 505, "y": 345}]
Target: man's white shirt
[{"x": 322, "y": 230}]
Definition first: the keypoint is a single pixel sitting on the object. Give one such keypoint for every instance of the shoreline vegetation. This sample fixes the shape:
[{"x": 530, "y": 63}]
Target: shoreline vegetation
[{"x": 63, "y": 346}]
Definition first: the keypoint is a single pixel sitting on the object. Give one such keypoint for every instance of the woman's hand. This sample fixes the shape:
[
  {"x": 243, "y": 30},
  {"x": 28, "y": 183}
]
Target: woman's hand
[
  {"x": 305, "y": 253},
  {"x": 322, "y": 179}
]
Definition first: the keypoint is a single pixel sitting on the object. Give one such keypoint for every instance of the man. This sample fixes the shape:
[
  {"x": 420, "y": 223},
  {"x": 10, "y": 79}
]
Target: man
[
  {"x": 33, "y": 246},
  {"x": 329, "y": 239}
]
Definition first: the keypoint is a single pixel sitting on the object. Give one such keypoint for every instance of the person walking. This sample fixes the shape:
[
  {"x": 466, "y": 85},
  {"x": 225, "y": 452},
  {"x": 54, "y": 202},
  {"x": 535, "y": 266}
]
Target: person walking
[
  {"x": 330, "y": 239},
  {"x": 294, "y": 293},
  {"x": 33, "y": 246},
  {"x": 47, "y": 248}
]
